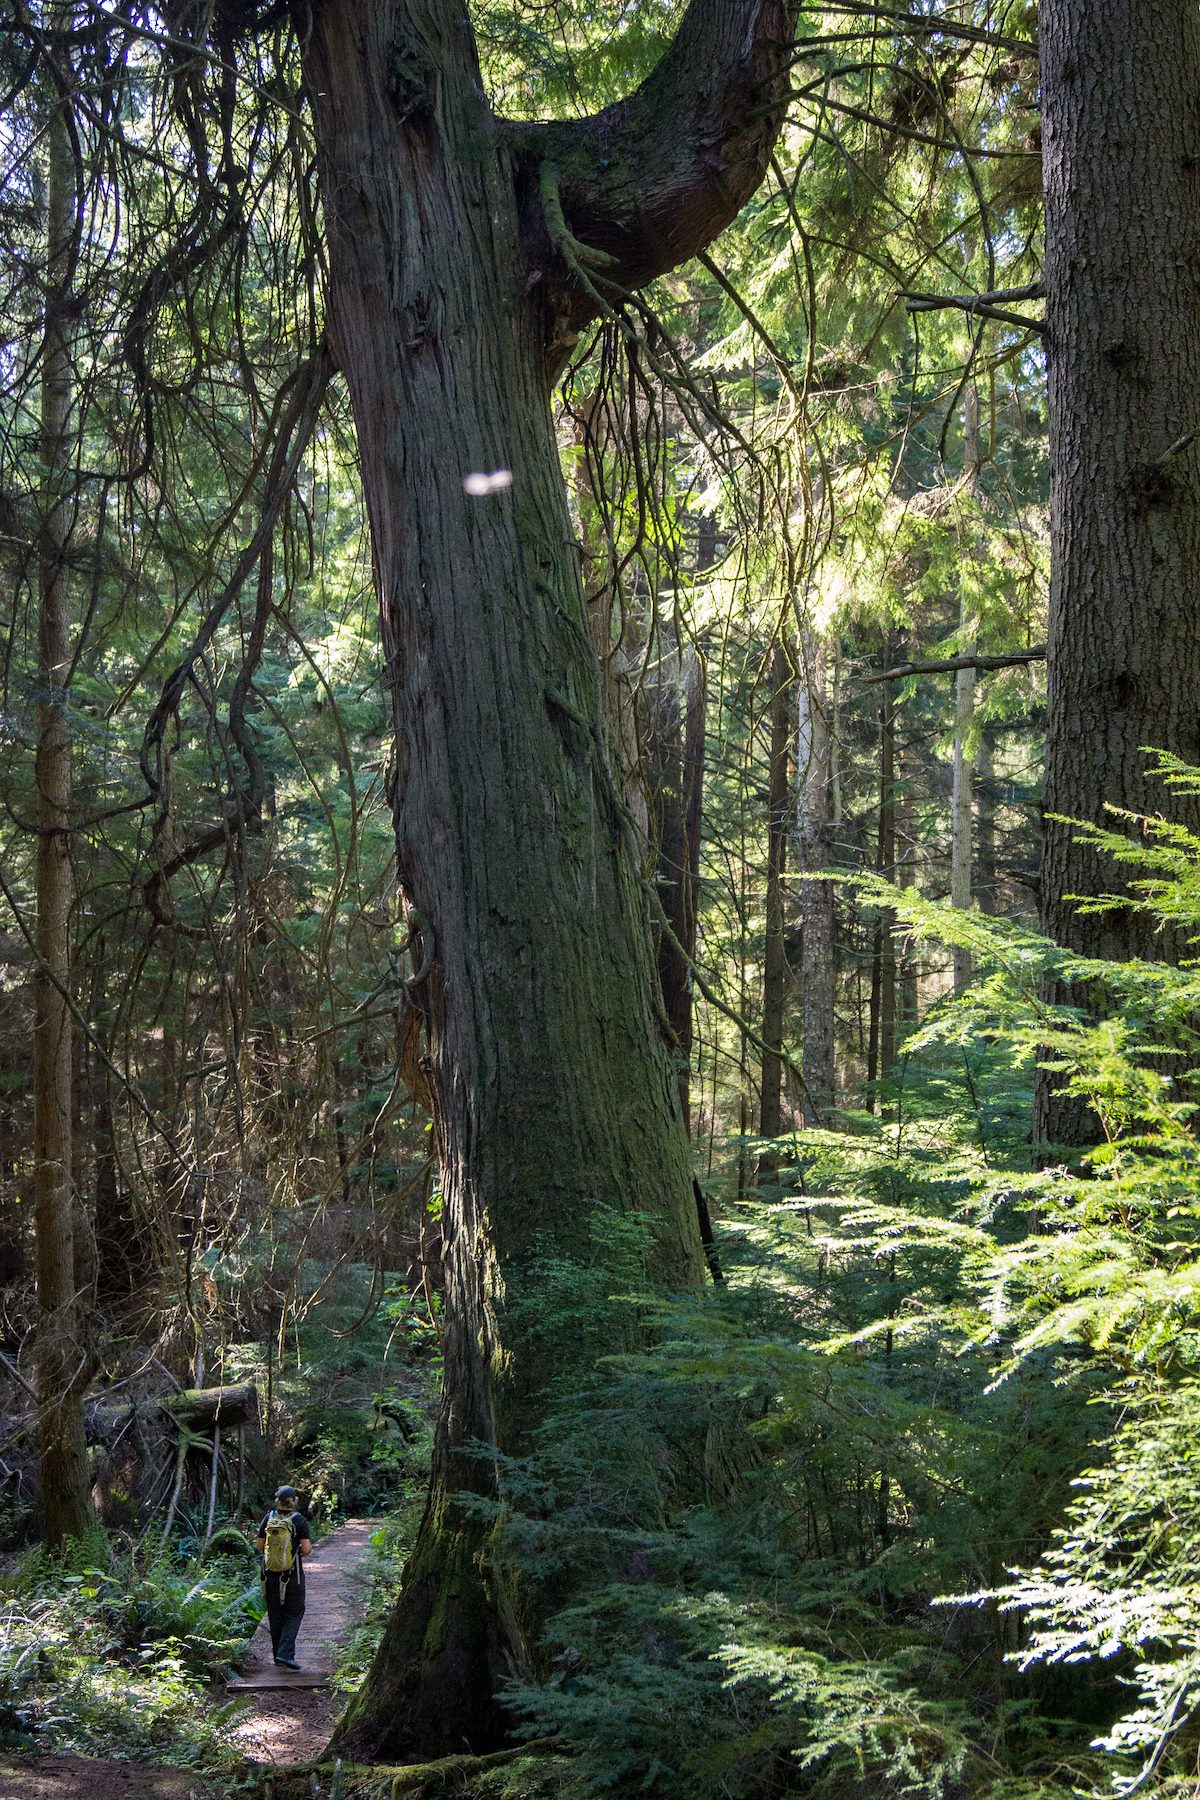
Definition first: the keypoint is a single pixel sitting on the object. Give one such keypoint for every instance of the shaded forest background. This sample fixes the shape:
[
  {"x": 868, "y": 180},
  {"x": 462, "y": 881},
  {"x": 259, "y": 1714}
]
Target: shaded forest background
[{"x": 899, "y": 1501}]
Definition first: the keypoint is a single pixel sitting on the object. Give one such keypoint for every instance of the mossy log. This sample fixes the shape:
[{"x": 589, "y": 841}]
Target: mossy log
[
  {"x": 450, "y": 1775},
  {"x": 202, "y": 1408},
  {"x": 197, "y": 1408},
  {"x": 355, "y": 1781}
]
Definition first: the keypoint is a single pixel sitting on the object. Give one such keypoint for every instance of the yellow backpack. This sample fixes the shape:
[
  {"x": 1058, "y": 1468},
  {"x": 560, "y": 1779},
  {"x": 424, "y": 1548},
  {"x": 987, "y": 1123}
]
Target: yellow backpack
[{"x": 279, "y": 1550}]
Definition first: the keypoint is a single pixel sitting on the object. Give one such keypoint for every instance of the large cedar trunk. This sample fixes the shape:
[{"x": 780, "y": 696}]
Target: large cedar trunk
[
  {"x": 454, "y": 291},
  {"x": 1121, "y": 112}
]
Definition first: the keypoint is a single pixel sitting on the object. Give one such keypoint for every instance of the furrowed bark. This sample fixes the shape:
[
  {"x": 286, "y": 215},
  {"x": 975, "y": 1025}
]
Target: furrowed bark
[
  {"x": 1121, "y": 154},
  {"x": 553, "y": 1082}
]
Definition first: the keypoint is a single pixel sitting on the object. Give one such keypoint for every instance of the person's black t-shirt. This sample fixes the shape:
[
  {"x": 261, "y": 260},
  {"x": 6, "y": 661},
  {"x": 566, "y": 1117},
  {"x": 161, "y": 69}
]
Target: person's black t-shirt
[{"x": 300, "y": 1531}]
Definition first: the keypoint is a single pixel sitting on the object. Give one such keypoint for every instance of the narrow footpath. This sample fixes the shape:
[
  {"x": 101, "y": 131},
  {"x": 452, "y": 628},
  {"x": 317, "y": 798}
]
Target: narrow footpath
[{"x": 292, "y": 1712}]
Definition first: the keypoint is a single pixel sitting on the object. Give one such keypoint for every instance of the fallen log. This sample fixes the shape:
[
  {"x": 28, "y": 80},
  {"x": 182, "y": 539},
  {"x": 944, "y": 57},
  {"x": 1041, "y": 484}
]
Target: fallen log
[{"x": 202, "y": 1408}]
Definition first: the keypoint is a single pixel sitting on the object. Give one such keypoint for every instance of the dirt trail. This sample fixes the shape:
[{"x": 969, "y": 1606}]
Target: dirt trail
[
  {"x": 86, "y": 1778},
  {"x": 288, "y": 1719}
]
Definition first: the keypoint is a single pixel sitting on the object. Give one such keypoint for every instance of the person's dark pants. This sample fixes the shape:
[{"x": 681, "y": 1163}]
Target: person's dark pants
[{"x": 284, "y": 1612}]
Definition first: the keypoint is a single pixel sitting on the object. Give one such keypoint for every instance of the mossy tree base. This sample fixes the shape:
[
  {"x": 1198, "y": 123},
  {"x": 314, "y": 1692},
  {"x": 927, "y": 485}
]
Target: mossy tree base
[{"x": 444, "y": 1637}]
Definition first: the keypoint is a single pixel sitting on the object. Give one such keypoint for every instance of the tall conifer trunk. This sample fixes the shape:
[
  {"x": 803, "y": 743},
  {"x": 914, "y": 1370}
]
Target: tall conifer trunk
[
  {"x": 456, "y": 285},
  {"x": 1121, "y": 154},
  {"x": 782, "y": 679},
  {"x": 814, "y": 852},
  {"x": 63, "y": 1469}
]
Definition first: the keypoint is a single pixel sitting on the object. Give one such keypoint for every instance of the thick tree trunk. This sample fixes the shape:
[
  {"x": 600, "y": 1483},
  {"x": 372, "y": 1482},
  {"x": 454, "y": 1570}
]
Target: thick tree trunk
[
  {"x": 775, "y": 961},
  {"x": 1121, "y": 131},
  {"x": 814, "y": 852},
  {"x": 63, "y": 1467},
  {"x": 456, "y": 283}
]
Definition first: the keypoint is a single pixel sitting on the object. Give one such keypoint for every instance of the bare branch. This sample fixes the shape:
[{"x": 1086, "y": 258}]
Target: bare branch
[
  {"x": 983, "y": 306},
  {"x": 947, "y": 665}
]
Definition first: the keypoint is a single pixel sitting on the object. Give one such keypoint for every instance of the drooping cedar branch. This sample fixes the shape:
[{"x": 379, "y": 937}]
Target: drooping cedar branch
[{"x": 653, "y": 179}]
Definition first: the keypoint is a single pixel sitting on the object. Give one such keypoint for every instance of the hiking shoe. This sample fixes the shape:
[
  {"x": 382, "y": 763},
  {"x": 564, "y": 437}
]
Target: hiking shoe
[{"x": 285, "y": 1662}]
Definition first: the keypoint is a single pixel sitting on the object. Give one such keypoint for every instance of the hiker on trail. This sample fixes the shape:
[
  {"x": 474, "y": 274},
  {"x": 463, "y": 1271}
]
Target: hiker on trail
[{"x": 282, "y": 1543}]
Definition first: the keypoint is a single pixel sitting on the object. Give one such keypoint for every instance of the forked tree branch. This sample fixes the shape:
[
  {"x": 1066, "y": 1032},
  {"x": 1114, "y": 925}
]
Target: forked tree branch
[{"x": 651, "y": 180}]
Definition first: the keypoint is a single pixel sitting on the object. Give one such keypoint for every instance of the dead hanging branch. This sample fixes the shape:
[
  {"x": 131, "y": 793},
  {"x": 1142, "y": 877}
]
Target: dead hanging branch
[
  {"x": 993, "y": 305},
  {"x": 946, "y": 665},
  {"x": 307, "y": 387}
]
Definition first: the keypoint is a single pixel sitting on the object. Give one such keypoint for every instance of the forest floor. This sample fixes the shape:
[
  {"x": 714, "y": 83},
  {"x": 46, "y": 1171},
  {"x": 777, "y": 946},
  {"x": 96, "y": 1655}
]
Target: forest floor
[
  {"x": 289, "y": 1717},
  {"x": 92, "y": 1778}
]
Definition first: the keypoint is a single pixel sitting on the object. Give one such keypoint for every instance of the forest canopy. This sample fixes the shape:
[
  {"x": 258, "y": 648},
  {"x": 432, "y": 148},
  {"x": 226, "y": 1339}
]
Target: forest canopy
[{"x": 601, "y": 799}]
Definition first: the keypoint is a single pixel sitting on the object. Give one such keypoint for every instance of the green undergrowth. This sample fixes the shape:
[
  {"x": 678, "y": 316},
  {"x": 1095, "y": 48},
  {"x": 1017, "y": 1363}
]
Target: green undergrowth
[
  {"x": 908, "y": 1506},
  {"x": 115, "y": 1655},
  {"x": 749, "y": 1522}
]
